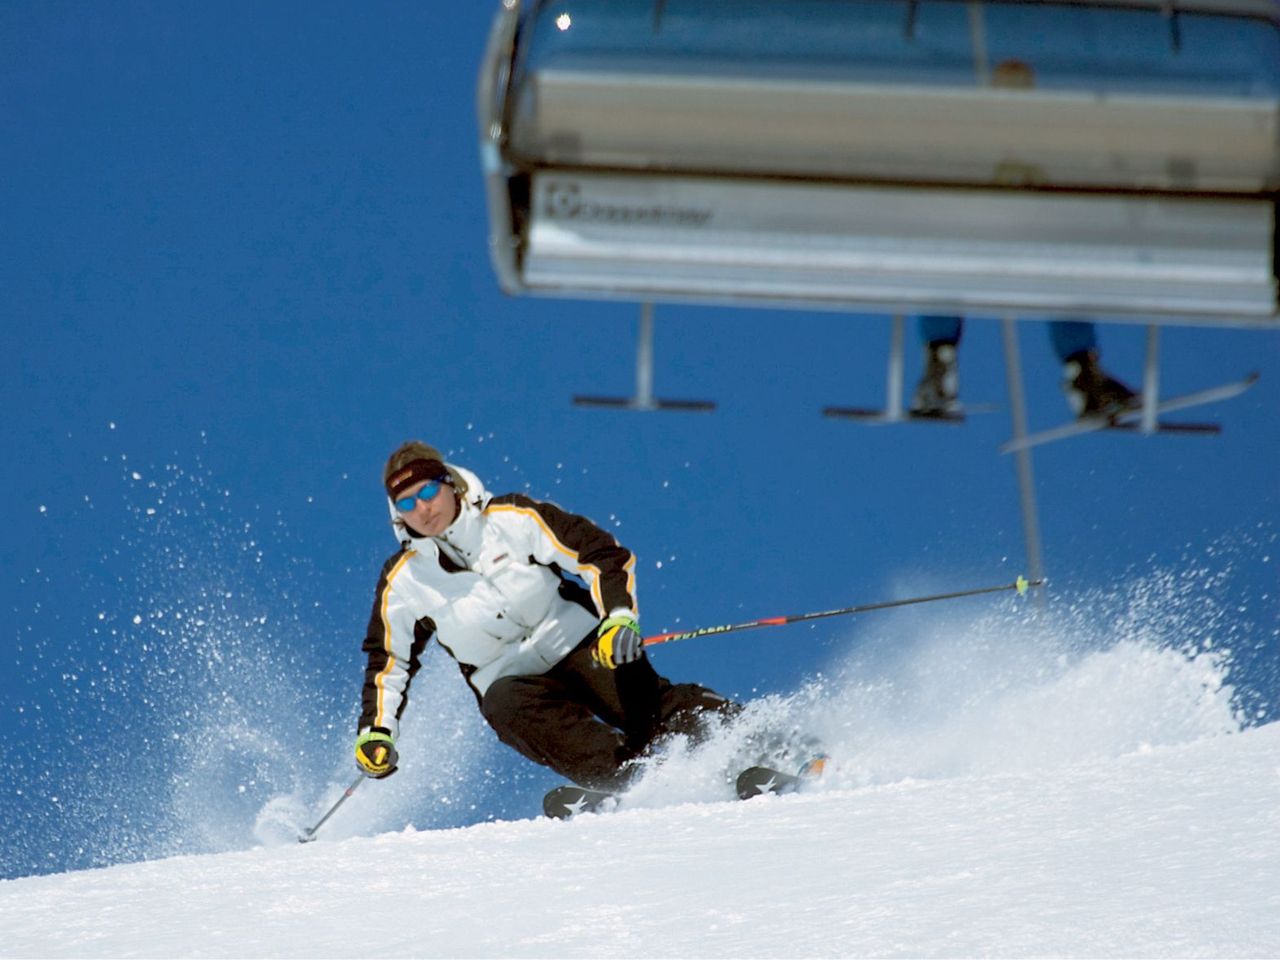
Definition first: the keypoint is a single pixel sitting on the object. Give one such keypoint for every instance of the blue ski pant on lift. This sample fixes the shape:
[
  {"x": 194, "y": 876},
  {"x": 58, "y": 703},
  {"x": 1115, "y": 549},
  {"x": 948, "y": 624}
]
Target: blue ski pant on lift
[{"x": 1068, "y": 337}]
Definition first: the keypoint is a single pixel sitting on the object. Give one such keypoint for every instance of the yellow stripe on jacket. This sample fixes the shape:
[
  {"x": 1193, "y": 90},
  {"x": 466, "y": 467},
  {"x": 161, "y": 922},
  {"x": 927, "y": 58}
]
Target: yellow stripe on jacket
[
  {"x": 380, "y": 680},
  {"x": 595, "y": 572}
]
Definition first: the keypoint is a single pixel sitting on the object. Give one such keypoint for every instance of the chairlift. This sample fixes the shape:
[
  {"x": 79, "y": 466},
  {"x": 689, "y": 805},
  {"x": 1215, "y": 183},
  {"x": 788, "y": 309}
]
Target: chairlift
[{"x": 995, "y": 157}]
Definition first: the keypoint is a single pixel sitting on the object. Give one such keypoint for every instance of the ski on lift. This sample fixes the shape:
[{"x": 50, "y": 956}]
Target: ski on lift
[{"x": 1130, "y": 421}]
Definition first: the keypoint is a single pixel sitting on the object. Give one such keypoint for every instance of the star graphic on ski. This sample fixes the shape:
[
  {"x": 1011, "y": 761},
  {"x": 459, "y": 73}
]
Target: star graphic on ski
[
  {"x": 577, "y": 806},
  {"x": 758, "y": 781},
  {"x": 767, "y": 786}
]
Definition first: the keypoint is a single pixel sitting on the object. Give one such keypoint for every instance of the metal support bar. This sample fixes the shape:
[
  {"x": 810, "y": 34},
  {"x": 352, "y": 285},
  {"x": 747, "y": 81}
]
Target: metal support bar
[
  {"x": 644, "y": 398},
  {"x": 1175, "y": 27},
  {"x": 1151, "y": 381},
  {"x": 895, "y": 410},
  {"x": 1026, "y": 476},
  {"x": 893, "y": 388},
  {"x": 978, "y": 37},
  {"x": 644, "y": 359},
  {"x": 909, "y": 26}
]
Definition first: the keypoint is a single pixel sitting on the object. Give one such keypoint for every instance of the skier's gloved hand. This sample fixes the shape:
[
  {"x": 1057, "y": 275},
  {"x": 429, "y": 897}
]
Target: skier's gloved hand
[
  {"x": 376, "y": 753},
  {"x": 618, "y": 641}
]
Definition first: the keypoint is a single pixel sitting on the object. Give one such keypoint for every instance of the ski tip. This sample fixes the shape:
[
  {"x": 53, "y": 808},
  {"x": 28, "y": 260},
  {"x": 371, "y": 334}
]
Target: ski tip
[{"x": 814, "y": 768}]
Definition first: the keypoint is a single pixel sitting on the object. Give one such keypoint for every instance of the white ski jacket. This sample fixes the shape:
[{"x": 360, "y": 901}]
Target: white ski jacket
[{"x": 492, "y": 592}]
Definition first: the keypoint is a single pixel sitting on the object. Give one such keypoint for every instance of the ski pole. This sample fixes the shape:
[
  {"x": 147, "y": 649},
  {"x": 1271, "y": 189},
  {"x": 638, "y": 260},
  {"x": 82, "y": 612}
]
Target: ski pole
[
  {"x": 309, "y": 833},
  {"x": 1021, "y": 585}
]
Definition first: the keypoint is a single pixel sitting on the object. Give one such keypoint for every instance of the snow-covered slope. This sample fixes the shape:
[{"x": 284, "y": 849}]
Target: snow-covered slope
[{"x": 1164, "y": 851}]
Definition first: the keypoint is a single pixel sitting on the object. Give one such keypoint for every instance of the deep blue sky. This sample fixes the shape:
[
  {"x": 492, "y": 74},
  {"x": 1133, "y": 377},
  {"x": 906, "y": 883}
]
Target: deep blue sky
[{"x": 244, "y": 255}]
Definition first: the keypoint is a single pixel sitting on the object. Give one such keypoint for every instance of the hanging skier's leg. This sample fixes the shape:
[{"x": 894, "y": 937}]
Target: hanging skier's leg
[
  {"x": 1090, "y": 390},
  {"x": 938, "y": 392}
]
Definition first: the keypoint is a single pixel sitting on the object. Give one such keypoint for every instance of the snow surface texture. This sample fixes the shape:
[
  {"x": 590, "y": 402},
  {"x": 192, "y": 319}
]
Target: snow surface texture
[{"x": 1169, "y": 851}]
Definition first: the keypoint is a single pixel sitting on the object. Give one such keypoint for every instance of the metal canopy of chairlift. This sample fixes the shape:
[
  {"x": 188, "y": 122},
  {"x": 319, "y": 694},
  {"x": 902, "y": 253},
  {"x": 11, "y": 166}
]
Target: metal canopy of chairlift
[{"x": 911, "y": 165}]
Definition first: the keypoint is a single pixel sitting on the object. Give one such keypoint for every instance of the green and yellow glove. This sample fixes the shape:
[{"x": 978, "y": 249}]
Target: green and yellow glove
[
  {"x": 618, "y": 641},
  {"x": 376, "y": 753}
]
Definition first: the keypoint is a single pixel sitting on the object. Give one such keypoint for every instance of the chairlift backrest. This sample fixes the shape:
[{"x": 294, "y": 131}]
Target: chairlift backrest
[{"x": 1099, "y": 159}]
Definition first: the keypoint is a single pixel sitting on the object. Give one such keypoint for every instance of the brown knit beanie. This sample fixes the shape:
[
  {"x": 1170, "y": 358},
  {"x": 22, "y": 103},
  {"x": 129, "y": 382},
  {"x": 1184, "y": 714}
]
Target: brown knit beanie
[{"x": 415, "y": 461}]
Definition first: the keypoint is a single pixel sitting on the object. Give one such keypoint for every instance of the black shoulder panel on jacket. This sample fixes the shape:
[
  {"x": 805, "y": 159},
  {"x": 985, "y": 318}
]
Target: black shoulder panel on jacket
[{"x": 594, "y": 547}]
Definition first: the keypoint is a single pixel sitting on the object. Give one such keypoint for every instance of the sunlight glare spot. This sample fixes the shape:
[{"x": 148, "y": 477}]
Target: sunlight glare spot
[{"x": 563, "y": 21}]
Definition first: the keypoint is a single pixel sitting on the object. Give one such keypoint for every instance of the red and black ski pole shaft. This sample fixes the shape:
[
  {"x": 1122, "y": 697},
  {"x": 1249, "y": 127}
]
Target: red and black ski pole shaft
[
  {"x": 1021, "y": 585},
  {"x": 309, "y": 833}
]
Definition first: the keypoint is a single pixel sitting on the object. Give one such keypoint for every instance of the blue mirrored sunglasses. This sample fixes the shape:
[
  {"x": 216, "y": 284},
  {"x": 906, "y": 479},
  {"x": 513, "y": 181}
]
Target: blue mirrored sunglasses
[{"x": 406, "y": 504}]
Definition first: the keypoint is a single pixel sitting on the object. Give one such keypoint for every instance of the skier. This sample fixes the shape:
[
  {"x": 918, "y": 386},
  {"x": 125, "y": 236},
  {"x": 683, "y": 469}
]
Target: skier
[
  {"x": 1090, "y": 390},
  {"x": 557, "y": 667}
]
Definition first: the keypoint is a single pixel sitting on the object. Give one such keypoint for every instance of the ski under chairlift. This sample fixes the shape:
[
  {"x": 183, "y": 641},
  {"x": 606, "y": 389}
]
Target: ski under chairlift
[{"x": 1143, "y": 419}]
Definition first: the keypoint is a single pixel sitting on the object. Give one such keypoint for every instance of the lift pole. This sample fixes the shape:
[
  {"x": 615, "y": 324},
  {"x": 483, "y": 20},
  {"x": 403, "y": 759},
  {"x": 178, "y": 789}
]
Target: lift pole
[{"x": 1026, "y": 475}]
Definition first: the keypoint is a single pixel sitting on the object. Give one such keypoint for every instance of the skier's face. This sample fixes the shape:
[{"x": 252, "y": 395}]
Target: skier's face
[{"x": 430, "y": 518}]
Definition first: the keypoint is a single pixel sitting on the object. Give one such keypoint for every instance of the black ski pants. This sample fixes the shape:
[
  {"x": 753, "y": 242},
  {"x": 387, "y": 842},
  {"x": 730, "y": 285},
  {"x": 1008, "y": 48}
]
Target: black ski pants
[{"x": 586, "y": 721}]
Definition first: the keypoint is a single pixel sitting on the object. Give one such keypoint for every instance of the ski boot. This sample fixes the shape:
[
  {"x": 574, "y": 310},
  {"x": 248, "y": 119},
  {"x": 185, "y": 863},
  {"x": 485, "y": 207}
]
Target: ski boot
[
  {"x": 1091, "y": 391},
  {"x": 938, "y": 392}
]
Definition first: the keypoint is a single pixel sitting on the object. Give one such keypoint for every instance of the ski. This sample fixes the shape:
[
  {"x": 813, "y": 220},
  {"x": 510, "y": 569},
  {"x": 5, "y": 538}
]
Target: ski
[
  {"x": 755, "y": 781},
  {"x": 1130, "y": 419},
  {"x": 1168, "y": 426},
  {"x": 758, "y": 780},
  {"x": 874, "y": 415},
  {"x": 569, "y": 800}
]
